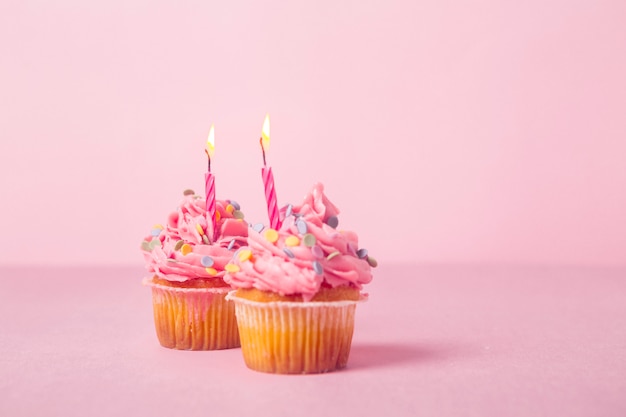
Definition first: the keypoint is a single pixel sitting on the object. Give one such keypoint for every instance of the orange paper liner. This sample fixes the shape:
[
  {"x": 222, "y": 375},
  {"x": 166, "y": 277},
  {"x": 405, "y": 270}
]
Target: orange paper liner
[
  {"x": 193, "y": 318},
  {"x": 293, "y": 337}
]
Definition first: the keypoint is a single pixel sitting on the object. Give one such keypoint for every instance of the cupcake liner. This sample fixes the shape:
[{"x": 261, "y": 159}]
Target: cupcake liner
[
  {"x": 193, "y": 318},
  {"x": 295, "y": 337}
]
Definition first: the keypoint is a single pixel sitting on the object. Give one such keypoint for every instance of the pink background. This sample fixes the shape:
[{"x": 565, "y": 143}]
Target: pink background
[{"x": 446, "y": 131}]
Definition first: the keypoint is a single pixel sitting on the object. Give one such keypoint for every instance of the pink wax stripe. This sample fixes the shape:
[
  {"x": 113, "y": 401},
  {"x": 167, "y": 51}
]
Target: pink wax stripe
[
  {"x": 210, "y": 202},
  {"x": 270, "y": 197}
]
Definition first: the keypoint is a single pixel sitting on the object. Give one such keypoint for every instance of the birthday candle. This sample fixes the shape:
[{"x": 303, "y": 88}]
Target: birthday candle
[
  {"x": 268, "y": 178},
  {"x": 209, "y": 183}
]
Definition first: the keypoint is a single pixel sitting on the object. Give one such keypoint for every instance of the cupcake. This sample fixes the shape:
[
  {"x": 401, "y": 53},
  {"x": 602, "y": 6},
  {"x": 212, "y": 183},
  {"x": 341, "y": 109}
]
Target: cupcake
[
  {"x": 186, "y": 259},
  {"x": 296, "y": 290}
]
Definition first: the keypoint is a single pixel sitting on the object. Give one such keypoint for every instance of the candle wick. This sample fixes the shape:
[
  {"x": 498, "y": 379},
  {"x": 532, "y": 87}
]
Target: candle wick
[
  {"x": 209, "y": 159},
  {"x": 263, "y": 150}
]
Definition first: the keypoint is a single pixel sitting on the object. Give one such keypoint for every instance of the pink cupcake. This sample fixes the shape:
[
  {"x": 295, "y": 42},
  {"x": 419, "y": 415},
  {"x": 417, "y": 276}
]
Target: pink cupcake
[
  {"x": 296, "y": 290},
  {"x": 186, "y": 260}
]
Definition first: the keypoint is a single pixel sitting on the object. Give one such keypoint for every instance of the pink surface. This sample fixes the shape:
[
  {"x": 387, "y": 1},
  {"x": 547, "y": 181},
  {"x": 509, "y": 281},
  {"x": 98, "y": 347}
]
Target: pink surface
[
  {"x": 493, "y": 130},
  {"x": 431, "y": 341}
]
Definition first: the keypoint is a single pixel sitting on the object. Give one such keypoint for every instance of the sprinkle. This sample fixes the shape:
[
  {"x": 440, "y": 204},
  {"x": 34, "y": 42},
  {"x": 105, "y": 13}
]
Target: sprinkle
[
  {"x": 232, "y": 268},
  {"x": 189, "y": 192},
  {"x": 199, "y": 229},
  {"x": 332, "y": 255},
  {"x": 292, "y": 241},
  {"x": 211, "y": 271},
  {"x": 309, "y": 240},
  {"x": 157, "y": 226},
  {"x": 186, "y": 248},
  {"x": 289, "y": 210},
  {"x": 373, "y": 263},
  {"x": 231, "y": 244},
  {"x": 235, "y": 205},
  {"x": 317, "y": 252},
  {"x": 207, "y": 261},
  {"x": 179, "y": 244},
  {"x": 218, "y": 216},
  {"x": 154, "y": 243},
  {"x": 361, "y": 253},
  {"x": 302, "y": 227},
  {"x": 238, "y": 214},
  {"x": 230, "y": 208},
  {"x": 332, "y": 221},
  {"x": 155, "y": 232},
  {"x": 271, "y": 235},
  {"x": 245, "y": 255},
  {"x": 289, "y": 253},
  {"x": 205, "y": 239},
  {"x": 258, "y": 227},
  {"x": 317, "y": 267},
  {"x": 145, "y": 246}
]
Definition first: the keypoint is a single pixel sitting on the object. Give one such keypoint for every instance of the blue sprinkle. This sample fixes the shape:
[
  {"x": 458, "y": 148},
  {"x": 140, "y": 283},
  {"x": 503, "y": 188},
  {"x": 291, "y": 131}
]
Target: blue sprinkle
[
  {"x": 332, "y": 221},
  {"x": 289, "y": 253},
  {"x": 317, "y": 267},
  {"x": 258, "y": 227},
  {"x": 231, "y": 244},
  {"x": 207, "y": 261},
  {"x": 302, "y": 227},
  {"x": 361, "y": 253},
  {"x": 155, "y": 232},
  {"x": 235, "y": 205},
  {"x": 289, "y": 210}
]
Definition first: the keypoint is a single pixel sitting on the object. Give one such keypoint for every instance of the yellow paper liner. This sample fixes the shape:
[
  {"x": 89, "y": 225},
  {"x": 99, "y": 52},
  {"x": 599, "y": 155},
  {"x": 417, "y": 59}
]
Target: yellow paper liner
[
  {"x": 193, "y": 318},
  {"x": 295, "y": 337}
]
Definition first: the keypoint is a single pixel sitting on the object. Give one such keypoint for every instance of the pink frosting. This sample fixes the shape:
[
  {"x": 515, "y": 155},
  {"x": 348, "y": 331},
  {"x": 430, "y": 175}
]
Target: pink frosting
[
  {"x": 166, "y": 261},
  {"x": 335, "y": 253}
]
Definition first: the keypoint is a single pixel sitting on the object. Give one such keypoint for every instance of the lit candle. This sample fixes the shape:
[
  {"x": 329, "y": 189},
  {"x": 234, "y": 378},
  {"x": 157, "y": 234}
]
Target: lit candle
[
  {"x": 209, "y": 184},
  {"x": 268, "y": 178}
]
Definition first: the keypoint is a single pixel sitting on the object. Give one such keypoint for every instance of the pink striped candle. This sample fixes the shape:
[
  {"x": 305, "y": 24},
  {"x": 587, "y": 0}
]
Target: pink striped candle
[
  {"x": 268, "y": 178},
  {"x": 209, "y": 184}
]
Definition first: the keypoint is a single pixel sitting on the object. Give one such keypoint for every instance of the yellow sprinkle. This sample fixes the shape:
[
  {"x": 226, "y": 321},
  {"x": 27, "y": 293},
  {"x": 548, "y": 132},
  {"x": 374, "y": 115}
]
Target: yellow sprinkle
[
  {"x": 211, "y": 271},
  {"x": 271, "y": 235},
  {"x": 292, "y": 241},
  {"x": 218, "y": 216},
  {"x": 232, "y": 268},
  {"x": 245, "y": 255},
  {"x": 185, "y": 249},
  {"x": 199, "y": 229},
  {"x": 157, "y": 226},
  {"x": 230, "y": 208}
]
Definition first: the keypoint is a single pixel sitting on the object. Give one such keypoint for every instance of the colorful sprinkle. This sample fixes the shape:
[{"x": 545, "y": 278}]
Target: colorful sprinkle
[
  {"x": 232, "y": 268},
  {"x": 218, "y": 216},
  {"x": 289, "y": 210},
  {"x": 231, "y": 244},
  {"x": 207, "y": 261},
  {"x": 155, "y": 232},
  {"x": 230, "y": 208},
  {"x": 189, "y": 192},
  {"x": 157, "y": 226},
  {"x": 373, "y": 263},
  {"x": 309, "y": 240},
  {"x": 235, "y": 204},
  {"x": 238, "y": 214},
  {"x": 332, "y": 221},
  {"x": 361, "y": 253},
  {"x": 317, "y": 267},
  {"x": 289, "y": 253},
  {"x": 245, "y": 255},
  {"x": 145, "y": 246},
  {"x": 186, "y": 249},
  {"x": 211, "y": 271},
  {"x": 154, "y": 243},
  {"x": 292, "y": 241},
  {"x": 179, "y": 244},
  {"x": 302, "y": 227},
  {"x": 258, "y": 227},
  {"x": 271, "y": 235},
  {"x": 317, "y": 252},
  {"x": 205, "y": 239},
  {"x": 332, "y": 255},
  {"x": 199, "y": 229}
]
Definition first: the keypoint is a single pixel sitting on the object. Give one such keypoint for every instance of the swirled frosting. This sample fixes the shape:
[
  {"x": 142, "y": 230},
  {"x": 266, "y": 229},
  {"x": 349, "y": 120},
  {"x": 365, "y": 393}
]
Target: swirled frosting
[
  {"x": 187, "y": 247},
  {"x": 304, "y": 254}
]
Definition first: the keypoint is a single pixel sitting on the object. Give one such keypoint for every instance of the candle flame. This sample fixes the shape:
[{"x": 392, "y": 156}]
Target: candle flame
[
  {"x": 265, "y": 134},
  {"x": 210, "y": 143}
]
